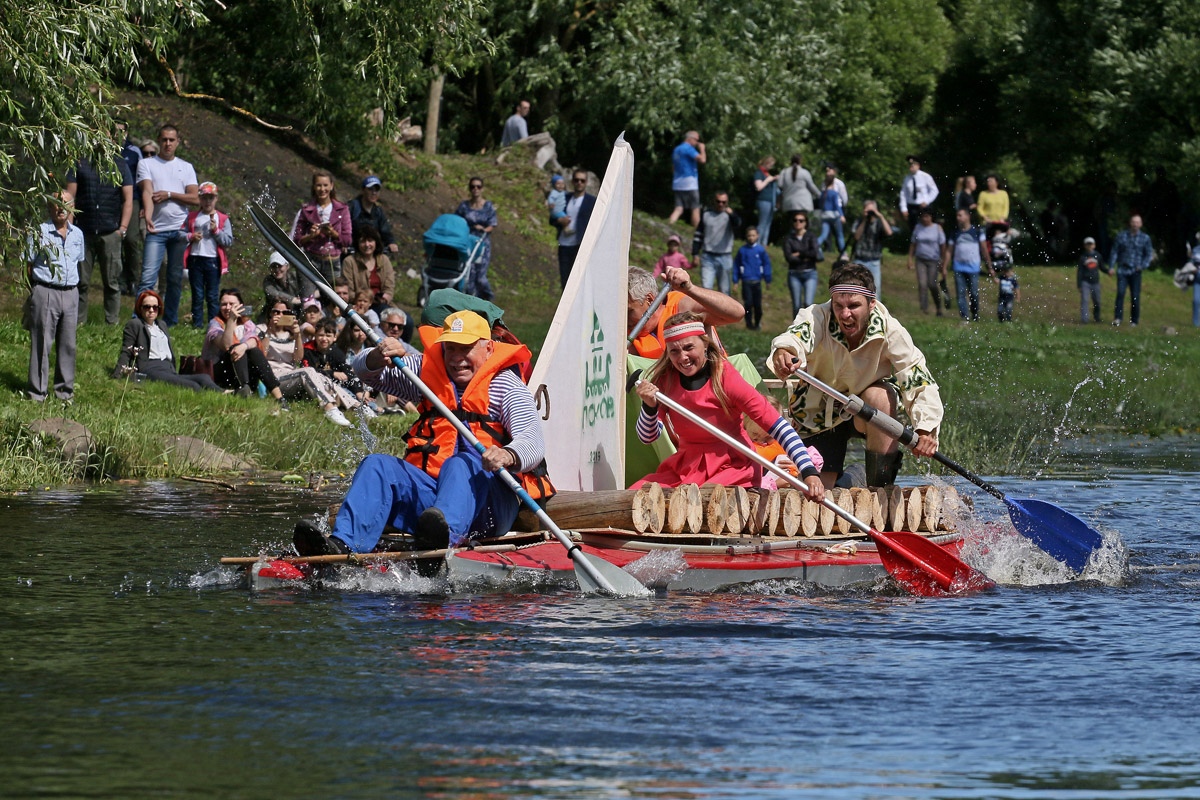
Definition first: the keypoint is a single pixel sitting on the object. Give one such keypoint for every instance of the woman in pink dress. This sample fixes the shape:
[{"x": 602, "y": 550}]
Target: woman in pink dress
[{"x": 693, "y": 372}]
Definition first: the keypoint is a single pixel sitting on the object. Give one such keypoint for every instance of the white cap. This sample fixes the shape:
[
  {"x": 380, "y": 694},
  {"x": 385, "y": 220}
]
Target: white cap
[{"x": 276, "y": 258}]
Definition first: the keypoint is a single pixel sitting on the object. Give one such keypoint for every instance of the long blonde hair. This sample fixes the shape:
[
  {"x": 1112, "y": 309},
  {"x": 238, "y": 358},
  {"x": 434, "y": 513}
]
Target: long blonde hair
[{"x": 664, "y": 375}]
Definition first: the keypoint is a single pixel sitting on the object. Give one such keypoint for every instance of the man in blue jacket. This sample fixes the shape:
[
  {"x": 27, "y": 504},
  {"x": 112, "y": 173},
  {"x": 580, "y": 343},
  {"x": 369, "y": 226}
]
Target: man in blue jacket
[{"x": 1131, "y": 253}]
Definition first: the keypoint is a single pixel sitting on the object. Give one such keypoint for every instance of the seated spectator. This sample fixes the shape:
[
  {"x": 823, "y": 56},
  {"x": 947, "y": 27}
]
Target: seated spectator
[
  {"x": 146, "y": 348},
  {"x": 365, "y": 210},
  {"x": 350, "y": 342},
  {"x": 232, "y": 347},
  {"x": 369, "y": 269},
  {"x": 362, "y": 304},
  {"x": 341, "y": 288},
  {"x": 313, "y": 313},
  {"x": 323, "y": 355},
  {"x": 279, "y": 339},
  {"x": 282, "y": 283},
  {"x": 395, "y": 324}
]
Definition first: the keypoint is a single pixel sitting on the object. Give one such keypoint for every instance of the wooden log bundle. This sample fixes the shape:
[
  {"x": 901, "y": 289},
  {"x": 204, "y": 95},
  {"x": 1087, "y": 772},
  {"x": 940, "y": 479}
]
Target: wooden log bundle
[{"x": 734, "y": 510}]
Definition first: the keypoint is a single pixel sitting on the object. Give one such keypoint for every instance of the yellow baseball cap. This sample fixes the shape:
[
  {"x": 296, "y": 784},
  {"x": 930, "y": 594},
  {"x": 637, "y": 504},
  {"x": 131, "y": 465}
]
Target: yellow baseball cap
[{"x": 464, "y": 327}]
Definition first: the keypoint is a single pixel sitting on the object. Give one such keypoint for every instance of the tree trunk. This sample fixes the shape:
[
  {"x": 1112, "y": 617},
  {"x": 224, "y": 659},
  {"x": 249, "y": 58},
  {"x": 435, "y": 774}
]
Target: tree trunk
[{"x": 434, "y": 111}]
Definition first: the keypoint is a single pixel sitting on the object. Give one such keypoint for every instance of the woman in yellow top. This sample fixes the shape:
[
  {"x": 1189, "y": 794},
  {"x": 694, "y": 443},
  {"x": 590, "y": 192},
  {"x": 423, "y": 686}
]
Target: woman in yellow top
[{"x": 993, "y": 206}]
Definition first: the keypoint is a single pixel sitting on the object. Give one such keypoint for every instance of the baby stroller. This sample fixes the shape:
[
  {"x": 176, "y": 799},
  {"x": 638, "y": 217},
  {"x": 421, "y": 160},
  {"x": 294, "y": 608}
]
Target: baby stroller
[
  {"x": 1001, "y": 250},
  {"x": 451, "y": 250}
]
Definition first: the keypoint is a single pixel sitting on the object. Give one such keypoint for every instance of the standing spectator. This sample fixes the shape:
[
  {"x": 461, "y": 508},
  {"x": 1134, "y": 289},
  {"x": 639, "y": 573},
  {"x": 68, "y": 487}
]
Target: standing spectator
[
  {"x": 322, "y": 227},
  {"x": 209, "y": 233},
  {"x": 103, "y": 211},
  {"x": 797, "y": 192},
  {"x": 869, "y": 233},
  {"x": 50, "y": 316},
  {"x": 713, "y": 241},
  {"x": 573, "y": 225},
  {"x": 131, "y": 245},
  {"x": 964, "y": 194},
  {"x": 993, "y": 206},
  {"x": 766, "y": 196},
  {"x": 1194, "y": 246},
  {"x": 1087, "y": 278},
  {"x": 1132, "y": 253},
  {"x": 752, "y": 266},
  {"x": 686, "y": 159},
  {"x": 926, "y": 251},
  {"x": 282, "y": 284},
  {"x": 672, "y": 258},
  {"x": 168, "y": 187},
  {"x": 831, "y": 171},
  {"x": 968, "y": 250},
  {"x": 802, "y": 254},
  {"x": 481, "y": 216},
  {"x": 1055, "y": 226},
  {"x": 369, "y": 270},
  {"x": 917, "y": 192},
  {"x": 365, "y": 210},
  {"x": 833, "y": 215},
  {"x": 1008, "y": 291},
  {"x": 515, "y": 127}
]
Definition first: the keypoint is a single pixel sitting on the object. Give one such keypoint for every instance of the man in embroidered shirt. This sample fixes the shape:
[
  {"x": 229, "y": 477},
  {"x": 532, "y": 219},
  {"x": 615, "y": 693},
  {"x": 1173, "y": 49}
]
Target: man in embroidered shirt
[
  {"x": 917, "y": 192},
  {"x": 853, "y": 344},
  {"x": 54, "y": 300},
  {"x": 443, "y": 491},
  {"x": 1131, "y": 253}
]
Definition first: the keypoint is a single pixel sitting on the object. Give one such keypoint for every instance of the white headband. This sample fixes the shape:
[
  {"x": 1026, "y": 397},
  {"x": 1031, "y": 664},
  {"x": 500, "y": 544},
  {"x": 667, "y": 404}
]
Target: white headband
[{"x": 683, "y": 330}]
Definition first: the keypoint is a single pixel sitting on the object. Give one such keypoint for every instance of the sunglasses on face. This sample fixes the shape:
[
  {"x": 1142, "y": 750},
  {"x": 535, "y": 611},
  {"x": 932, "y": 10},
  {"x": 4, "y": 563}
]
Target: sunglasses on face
[
  {"x": 578, "y": 180},
  {"x": 276, "y": 312},
  {"x": 476, "y": 186},
  {"x": 148, "y": 307},
  {"x": 393, "y": 324}
]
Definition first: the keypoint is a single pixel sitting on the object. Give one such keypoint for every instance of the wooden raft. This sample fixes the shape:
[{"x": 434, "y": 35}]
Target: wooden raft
[{"x": 735, "y": 510}]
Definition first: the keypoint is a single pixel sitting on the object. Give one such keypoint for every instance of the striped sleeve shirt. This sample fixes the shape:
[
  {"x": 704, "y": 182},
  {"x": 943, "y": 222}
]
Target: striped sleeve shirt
[{"x": 509, "y": 401}]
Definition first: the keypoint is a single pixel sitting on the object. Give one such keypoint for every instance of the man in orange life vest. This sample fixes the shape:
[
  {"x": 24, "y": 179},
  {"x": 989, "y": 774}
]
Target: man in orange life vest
[
  {"x": 443, "y": 491},
  {"x": 716, "y": 307}
]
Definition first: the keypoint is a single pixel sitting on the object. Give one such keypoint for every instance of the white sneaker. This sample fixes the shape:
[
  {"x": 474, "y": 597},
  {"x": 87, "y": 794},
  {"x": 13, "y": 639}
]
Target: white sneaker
[
  {"x": 336, "y": 416},
  {"x": 366, "y": 411}
]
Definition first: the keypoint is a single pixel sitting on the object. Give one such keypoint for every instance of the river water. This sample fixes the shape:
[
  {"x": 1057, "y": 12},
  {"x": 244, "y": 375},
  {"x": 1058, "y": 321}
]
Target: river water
[{"x": 133, "y": 666}]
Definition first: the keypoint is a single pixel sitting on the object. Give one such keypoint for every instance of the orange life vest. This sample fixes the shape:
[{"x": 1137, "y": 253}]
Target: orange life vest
[
  {"x": 432, "y": 439},
  {"x": 649, "y": 343}
]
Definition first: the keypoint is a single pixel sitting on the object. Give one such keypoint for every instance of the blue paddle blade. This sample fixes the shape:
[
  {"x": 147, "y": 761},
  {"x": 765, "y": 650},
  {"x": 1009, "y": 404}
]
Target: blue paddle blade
[{"x": 1060, "y": 533}]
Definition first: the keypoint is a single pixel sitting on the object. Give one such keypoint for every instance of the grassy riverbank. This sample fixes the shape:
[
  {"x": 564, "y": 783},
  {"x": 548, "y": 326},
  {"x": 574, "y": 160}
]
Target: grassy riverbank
[{"x": 1010, "y": 390}]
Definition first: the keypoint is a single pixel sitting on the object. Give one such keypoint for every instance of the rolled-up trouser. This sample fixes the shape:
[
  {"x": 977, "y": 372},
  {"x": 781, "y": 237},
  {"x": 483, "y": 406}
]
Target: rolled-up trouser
[{"x": 300, "y": 381}]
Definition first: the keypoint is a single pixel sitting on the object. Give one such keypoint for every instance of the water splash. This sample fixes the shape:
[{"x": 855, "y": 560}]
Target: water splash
[
  {"x": 1010, "y": 559},
  {"x": 1061, "y": 430},
  {"x": 658, "y": 568}
]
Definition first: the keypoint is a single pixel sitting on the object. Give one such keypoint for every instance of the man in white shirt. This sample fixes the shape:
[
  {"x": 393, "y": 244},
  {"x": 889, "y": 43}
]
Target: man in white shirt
[
  {"x": 515, "y": 127},
  {"x": 167, "y": 186},
  {"x": 573, "y": 225},
  {"x": 917, "y": 192}
]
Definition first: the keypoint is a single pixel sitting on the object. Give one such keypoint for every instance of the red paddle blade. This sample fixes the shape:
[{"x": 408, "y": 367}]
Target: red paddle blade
[{"x": 926, "y": 569}]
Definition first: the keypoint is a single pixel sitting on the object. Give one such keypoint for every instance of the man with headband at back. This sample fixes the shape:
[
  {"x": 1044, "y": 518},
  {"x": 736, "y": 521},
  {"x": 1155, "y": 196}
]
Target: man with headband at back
[{"x": 853, "y": 344}]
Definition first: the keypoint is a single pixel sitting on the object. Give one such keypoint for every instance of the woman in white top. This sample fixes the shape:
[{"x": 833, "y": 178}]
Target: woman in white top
[{"x": 280, "y": 340}]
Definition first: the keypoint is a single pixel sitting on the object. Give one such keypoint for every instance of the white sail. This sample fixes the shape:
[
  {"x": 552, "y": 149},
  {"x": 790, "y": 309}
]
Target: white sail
[{"x": 582, "y": 363}]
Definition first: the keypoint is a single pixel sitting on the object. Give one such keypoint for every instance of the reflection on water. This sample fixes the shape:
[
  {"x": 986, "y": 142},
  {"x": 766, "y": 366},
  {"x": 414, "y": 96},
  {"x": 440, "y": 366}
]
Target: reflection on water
[{"x": 136, "y": 667}]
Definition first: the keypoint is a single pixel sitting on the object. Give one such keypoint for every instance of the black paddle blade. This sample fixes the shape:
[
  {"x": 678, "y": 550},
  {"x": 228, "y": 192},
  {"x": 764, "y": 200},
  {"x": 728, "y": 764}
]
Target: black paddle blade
[
  {"x": 632, "y": 380},
  {"x": 1060, "y": 533}
]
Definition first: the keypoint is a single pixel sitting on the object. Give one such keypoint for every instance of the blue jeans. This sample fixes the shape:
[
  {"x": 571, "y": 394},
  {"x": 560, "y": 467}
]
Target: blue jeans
[
  {"x": 766, "y": 212},
  {"x": 1132, "y": 281},
  {"x": 204, "y": 274},
  {"x": 716, "y": 269},
  {"x": 1089, "y": 291},
  {"x": 967, "y": 283},
  {"x": 836, "y": 225},
  {"x": 874, "y": 266},
  {"x": 1196, "y": 304},
  {"x": 803, "y": 286},
  {"x": 173, "y": 243},
  {"x": 387, "y": 490}
]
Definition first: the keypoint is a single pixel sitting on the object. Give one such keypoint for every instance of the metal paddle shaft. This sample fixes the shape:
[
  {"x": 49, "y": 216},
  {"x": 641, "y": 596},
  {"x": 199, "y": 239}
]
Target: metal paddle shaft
[
  {"x": 1055, "y": 530},
  {"x": 662, "y": 295},
  {"x": 918, "y": 564},
  {"x": 590, "y": 576}
]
